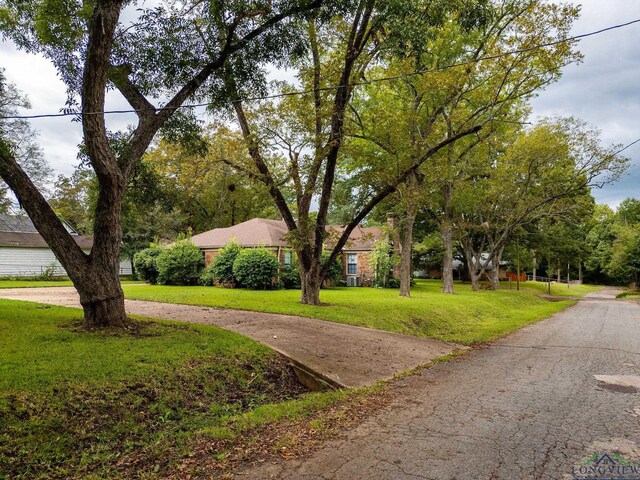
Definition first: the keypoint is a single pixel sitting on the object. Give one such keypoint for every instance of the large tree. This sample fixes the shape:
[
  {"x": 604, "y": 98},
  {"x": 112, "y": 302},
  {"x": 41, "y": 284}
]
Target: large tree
[
  {"x": 498, "y": 66},
  {"x": 307, "y": 132},
  {"x": 209, "y": 192},
  {"x": 544, "y": 174},
  {"x": 615, "y": 244},
  {"x": 171, "y": 52}
]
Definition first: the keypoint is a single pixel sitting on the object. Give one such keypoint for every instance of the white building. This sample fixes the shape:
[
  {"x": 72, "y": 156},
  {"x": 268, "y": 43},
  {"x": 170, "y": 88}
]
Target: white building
[{"x": 23, "y": 251}]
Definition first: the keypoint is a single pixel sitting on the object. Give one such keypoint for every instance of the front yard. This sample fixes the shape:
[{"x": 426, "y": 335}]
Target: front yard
[
  {"x": 173, "y": 396},
  {"x": 88, "y": 405},
  {"x": 560, "y": 289},
  {"x": 467, "y": 317}
]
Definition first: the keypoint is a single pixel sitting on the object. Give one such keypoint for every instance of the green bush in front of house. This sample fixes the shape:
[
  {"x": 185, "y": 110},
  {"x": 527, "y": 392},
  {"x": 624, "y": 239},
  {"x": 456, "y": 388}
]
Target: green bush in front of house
[
  {"x": 290, "y": 277},
  {"x": 220, "y": 270},
  {"x": 255, "y": 268},
  {"x": 144, "y": 263},
  {"x": 180, "y": 264},
  {"x": 336, "y": 270}
]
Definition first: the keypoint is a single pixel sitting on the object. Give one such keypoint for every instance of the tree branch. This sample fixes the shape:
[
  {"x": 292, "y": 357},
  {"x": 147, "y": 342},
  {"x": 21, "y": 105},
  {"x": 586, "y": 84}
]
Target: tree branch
[
  {"x": 44, "y": 218},
  {"x": 389, "y": 189}
]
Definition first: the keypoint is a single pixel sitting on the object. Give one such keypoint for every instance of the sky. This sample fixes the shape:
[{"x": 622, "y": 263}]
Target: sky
[{"x": 602, "y": 90}]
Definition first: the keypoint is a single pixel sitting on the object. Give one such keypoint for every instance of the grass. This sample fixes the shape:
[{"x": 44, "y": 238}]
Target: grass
[
  {"x": 467, "y": 317},
  {"x": 76, "y": 404},
  {"x": 630, "y": 294},
  {"x": 560, "y": 289}
]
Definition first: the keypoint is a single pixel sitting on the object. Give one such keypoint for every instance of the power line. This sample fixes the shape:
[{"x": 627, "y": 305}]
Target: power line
[
  {"x": 355, "y": 84},
  {"x": 626, "y": 146}
]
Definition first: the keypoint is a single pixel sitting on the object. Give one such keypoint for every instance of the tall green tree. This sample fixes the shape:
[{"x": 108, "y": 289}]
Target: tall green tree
[
  {"x": 172, "y": 51},
  {"x": 311, "y": 128},
  {"x": 495, "y": 71},
  {"x": 202, "y": 184},
  {"x": 615, "y": 244},
  {"x": 546, "y": 173}
]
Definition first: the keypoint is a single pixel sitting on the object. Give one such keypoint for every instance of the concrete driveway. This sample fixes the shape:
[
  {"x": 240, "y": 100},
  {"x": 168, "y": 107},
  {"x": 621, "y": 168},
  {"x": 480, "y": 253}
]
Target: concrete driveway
[
  {"x": 542, "y": 403},
  {"x": 331, "y": 353}
]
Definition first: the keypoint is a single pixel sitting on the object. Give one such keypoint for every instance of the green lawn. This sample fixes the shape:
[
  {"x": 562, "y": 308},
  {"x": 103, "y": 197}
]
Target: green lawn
[
  {"x": 467, "y": 317},
  {"x": 560, "y": 289},
  {"x": 88, "y": 405},
  {"x": 630, "y": 294}
]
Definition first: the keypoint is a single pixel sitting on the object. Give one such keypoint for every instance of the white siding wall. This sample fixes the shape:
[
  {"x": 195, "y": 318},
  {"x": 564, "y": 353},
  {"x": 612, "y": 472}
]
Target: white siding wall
[
  {"x": 125, "y": 267},
  {"x": 35, "y": 261}
]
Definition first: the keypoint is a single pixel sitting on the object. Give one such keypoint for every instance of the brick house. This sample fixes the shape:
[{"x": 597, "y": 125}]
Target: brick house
[{"x": 271, "y": 234}]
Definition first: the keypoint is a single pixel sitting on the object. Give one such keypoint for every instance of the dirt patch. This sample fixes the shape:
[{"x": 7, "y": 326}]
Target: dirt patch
[
  {"x": 134, "y": 328},
  {"x": 281, "y": 441}
]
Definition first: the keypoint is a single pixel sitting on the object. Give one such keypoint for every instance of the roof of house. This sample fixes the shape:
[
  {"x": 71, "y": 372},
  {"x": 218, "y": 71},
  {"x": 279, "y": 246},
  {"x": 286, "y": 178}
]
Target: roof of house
[
  {"x": 256, "y": 232},
  {"x": 16, "y": 224},
  {"x": 361, "y": 238},
  {"x": 19, "y": 231},
  {"x": 259, "y": 232}
]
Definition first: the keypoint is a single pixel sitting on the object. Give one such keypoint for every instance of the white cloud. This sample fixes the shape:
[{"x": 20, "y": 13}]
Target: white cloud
[{"x": 603, "y": 89}]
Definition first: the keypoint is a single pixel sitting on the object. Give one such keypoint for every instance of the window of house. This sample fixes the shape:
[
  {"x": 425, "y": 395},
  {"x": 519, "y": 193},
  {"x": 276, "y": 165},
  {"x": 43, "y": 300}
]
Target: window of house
[
  {"x": 352, "y": 264},
  {"x": 287, "y": 258}
]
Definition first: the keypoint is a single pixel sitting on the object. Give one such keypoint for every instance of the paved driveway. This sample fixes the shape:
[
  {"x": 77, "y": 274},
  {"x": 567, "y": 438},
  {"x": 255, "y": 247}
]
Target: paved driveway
[{"x": 532, "y": 406}]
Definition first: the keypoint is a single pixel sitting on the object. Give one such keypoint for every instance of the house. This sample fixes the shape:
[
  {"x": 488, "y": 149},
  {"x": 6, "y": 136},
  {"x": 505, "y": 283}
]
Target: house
[
  {"x": 23, "y": 251},
  {"x": 461, "y": 273},
  {"x": 271, "y": 234}
]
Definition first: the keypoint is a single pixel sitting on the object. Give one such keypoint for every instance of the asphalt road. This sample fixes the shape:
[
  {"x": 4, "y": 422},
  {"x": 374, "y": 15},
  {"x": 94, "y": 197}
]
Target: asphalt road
[{"x": 535, "y": 405}]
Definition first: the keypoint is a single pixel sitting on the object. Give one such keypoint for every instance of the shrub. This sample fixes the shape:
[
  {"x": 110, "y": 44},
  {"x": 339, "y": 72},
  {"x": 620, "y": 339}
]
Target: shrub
[
  {"x": 221, "y": 268},
  {"x": 144, "y": 263},
  {"x": 179, "y": 264},
  {"x": 335, "y": 272},
  {"x": 392, "y": 283},
  {"x": 290, "y": 277},
  {"x": 255, "y": 268},
  {"x": 207, "y": 277},
  {"x": 382, "y": 262}
]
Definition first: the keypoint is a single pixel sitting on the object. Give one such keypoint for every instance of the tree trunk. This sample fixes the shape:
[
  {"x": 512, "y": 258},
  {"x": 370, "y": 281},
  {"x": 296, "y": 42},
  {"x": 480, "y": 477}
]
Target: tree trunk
[
  {"x": 535, "y": 264},
  {"x": 103, "y": 302},
  {"x": 475, "y": 279},
  {"x": 495, "y": 272},
  {"x": 474, "y": 276},
  {"x": 406, "y": 243},
  {"x": 580, "y": 279},
  {"x": 447, "y": 261},
  {"x": 310, "y": 283},
  {"x": 95, "y": 276}
]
